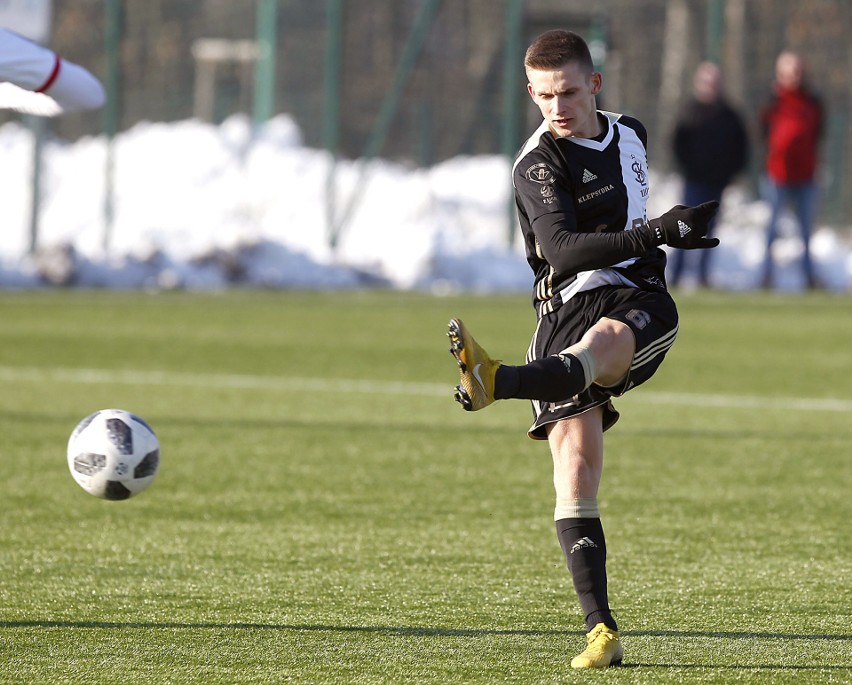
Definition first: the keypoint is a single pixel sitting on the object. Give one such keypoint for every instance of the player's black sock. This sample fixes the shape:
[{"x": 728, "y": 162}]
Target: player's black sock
[
  {"x": 582, "y": 541},
  {"x": 550, "y": 379}
]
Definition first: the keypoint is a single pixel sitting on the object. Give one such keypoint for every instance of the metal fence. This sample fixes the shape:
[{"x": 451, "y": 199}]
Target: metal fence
[{"x": 426, "y": 80}]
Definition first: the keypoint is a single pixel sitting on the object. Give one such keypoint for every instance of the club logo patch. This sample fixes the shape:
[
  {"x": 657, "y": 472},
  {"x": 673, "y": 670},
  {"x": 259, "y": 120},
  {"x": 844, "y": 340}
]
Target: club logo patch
[
  {"x": 639, "y": 318},
  {"x": 639, "y": 169},
  {"x": 541, "y": 173}
]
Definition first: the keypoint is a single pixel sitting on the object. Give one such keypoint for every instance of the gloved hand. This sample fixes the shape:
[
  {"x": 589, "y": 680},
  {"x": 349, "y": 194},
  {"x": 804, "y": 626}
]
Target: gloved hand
[{"x": 685, "y": 227}]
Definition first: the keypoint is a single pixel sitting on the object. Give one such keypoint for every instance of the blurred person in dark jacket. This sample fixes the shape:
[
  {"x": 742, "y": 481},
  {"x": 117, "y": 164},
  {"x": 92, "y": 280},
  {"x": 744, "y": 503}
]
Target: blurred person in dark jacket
[
  {"x": 710, "y": 146},
  {"x": 791, "y": 124}
]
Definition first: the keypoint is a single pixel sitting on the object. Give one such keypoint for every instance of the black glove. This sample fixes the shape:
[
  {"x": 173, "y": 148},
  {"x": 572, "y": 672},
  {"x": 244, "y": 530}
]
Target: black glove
[{"x": 685, "y": 227}]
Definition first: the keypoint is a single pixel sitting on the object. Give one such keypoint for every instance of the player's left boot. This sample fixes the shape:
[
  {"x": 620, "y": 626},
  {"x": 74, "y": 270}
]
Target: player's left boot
[
  {"x": 603, "y": 649},
  {"x": 477, "y": 369}
]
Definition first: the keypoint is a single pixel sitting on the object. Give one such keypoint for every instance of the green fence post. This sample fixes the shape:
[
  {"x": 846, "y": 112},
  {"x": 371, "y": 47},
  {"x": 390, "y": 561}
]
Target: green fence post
[
  {"x": 266, "y": 36},
  {"x": 512, "y": 66},
  {"x": 835, "y": 164},
  {"x": 112, "y": 47},
  {"x": 37, "y": 126},
  {"x": 715, "y": 28},
  {"x": 331, "y": 104}
]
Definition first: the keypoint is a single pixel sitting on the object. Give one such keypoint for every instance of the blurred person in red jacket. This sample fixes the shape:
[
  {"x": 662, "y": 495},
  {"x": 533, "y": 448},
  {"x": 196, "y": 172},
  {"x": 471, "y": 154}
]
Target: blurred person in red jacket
[
  {"x": 710, "y": 146},
  {"x": 792, "y": 124}
]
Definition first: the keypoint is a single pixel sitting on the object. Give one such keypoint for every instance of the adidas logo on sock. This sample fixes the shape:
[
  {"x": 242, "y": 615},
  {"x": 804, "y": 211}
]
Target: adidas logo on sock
[
  {"x": 588, "y": 176},
  {"x": 583, "y": 543},
  {"x": 683, "y": 228}
]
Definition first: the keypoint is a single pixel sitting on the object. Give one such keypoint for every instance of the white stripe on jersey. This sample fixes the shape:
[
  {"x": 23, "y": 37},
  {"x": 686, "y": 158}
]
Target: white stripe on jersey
[
  {"x": 589, "y": 280},
  {"x": 532, "y": 143}
]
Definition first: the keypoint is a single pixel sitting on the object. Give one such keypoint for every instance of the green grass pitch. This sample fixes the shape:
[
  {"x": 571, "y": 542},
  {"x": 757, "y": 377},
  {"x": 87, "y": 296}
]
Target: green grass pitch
[{"x": 325, "y": 513}]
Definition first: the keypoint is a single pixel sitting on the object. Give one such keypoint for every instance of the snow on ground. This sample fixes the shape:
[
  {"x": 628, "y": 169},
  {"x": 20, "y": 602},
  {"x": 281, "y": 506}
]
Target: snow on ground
[{"x": 199, "y": 206}]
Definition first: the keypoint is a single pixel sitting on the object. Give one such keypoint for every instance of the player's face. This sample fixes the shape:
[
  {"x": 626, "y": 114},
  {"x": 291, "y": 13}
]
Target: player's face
[{"x": 566, "y": 98}]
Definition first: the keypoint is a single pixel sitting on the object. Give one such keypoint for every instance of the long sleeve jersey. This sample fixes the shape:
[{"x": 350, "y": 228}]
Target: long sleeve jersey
[{"x": 578, "y": 201}]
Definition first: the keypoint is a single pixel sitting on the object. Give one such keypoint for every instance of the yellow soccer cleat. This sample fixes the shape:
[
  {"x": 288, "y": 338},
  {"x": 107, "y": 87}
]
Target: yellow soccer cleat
[
  {"x": 604, "y": 649},
  {"x": 477, "y": 369}
]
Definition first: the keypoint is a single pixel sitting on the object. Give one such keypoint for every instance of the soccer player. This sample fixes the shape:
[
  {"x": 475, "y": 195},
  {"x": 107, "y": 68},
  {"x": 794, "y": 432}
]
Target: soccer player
[
  {"x": 41, "y": 81},
  {"x": 605, "y": 318}
]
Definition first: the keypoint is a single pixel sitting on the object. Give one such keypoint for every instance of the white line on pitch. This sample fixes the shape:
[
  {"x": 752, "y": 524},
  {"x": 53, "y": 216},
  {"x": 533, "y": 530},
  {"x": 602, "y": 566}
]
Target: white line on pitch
[
  {"x": 214, "y": 380},
  {"x": 744, "y": 401},
  {"x": 12, "y": 374}
]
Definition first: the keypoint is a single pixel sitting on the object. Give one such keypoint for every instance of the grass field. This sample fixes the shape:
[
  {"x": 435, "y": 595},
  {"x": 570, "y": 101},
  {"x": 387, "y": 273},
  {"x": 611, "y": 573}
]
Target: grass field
[{"x": 325, "y": 513}]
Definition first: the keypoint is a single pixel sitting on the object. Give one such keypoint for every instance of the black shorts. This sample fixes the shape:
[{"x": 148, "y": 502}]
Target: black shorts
[{"x": 652, "y": 316}]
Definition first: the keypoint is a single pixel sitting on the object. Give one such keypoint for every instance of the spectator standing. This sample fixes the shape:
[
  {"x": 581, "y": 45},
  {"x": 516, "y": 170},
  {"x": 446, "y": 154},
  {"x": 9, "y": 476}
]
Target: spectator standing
[
  {"x": 710, "y": 146},
  {"x": 792, "y": 125}
]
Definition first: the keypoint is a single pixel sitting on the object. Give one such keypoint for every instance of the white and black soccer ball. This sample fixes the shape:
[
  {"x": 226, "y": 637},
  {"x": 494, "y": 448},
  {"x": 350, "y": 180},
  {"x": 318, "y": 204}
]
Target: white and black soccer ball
[{"x": 113, "y": 454}]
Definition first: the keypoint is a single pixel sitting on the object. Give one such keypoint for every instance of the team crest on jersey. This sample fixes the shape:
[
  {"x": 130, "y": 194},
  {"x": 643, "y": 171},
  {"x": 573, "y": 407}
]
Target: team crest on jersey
[
  {"x": 639, "y": 169},
  {"x": 541, "y": 173}
]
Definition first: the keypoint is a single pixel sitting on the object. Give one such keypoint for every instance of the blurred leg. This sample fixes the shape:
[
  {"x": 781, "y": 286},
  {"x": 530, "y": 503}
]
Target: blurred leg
[
  {"x": 709, "y": 193},
  {"x": 774, "y": 197},
  {"x": 804, "y": 199}
]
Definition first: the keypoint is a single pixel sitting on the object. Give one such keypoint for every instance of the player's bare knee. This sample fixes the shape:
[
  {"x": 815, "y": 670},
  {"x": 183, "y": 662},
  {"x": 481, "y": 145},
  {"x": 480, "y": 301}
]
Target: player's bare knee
[{"x": 612, "y": 346}]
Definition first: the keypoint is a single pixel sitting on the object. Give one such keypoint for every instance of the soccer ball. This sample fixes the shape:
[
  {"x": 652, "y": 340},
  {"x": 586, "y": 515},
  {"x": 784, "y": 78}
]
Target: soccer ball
[{"x": 113, "y": 454}]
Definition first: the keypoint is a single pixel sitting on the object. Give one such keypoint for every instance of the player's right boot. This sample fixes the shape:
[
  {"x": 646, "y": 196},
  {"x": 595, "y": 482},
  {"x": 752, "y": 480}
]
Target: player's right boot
[
  {"x": 477, "y": 369},
  {"x": 603, "y": 649}
]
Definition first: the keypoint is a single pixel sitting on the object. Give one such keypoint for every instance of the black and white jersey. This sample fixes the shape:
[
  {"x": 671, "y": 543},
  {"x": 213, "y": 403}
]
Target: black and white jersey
[{"x": 568, "y": 190}]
